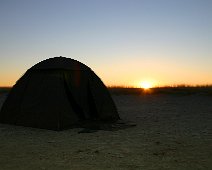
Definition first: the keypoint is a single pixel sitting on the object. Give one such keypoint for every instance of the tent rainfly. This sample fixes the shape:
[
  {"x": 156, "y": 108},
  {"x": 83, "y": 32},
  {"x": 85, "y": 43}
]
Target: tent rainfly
[{"x": 58, "y": 93}]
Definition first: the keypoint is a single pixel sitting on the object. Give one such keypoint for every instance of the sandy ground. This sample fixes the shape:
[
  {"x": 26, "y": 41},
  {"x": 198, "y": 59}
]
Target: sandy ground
[{"x": 172, "y": 132}]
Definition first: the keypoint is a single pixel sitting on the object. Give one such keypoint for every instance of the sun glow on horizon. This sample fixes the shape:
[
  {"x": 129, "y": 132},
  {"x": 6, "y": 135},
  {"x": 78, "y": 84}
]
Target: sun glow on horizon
[{"x": 146, "y": 85}]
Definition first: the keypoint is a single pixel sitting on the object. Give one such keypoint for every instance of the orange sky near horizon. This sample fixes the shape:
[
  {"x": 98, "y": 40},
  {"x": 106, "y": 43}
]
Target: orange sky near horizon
[{"x": 129, "y": 74}]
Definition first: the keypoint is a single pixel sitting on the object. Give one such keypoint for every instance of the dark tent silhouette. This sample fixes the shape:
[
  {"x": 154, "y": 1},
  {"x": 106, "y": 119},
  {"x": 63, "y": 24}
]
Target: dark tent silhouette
[{"x": 58, "y": 93}]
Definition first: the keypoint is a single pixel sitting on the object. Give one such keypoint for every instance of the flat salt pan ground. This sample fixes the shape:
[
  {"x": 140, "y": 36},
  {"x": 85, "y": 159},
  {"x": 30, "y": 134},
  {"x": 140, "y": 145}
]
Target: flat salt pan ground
[{"x": 173, "y": 132}]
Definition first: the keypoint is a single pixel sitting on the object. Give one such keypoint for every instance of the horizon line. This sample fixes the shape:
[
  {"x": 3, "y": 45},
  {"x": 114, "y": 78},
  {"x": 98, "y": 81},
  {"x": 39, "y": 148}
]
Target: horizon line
[{"x": 162, "y": 86}]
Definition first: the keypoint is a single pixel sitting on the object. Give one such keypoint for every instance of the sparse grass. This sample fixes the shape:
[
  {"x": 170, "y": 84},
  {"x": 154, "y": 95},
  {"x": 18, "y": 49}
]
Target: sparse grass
[{"x": 175, "y": 90}]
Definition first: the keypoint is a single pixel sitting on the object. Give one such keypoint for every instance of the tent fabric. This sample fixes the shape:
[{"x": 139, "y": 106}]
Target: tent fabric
[
  {"x": 58, "y": 93},
  {"x": 61, "y": 63}
]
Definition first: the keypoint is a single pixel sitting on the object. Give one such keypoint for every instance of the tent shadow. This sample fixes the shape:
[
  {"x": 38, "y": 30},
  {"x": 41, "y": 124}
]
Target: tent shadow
[{"x": 92, "y": 127}]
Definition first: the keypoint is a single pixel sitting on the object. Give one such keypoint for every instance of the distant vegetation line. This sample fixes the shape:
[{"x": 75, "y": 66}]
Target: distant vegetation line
[
  {"x": 167, "y": 86},
  {"x": 4, "y": 89},
  {"x": 127, "y": 90},
  {"x": 176, "y": 90}
]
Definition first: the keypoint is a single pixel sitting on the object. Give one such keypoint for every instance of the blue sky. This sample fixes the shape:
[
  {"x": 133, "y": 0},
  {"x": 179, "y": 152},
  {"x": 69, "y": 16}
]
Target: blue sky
[{"x": 123, "y": 41}]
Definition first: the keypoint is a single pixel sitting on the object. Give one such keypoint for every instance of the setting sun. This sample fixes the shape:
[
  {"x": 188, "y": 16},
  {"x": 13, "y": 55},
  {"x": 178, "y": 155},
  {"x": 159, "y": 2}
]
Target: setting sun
[{"x": 146, "y": 85}]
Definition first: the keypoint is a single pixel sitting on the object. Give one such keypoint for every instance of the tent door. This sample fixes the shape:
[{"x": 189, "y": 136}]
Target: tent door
[{"x": 75, "y": 106}]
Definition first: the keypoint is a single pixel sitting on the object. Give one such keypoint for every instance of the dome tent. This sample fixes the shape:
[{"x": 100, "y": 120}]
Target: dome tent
[{"x": 58, "y": 93}]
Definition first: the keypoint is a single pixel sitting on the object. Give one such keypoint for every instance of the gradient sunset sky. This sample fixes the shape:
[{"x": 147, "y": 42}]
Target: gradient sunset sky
[{"x": 126, "y": 42}]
